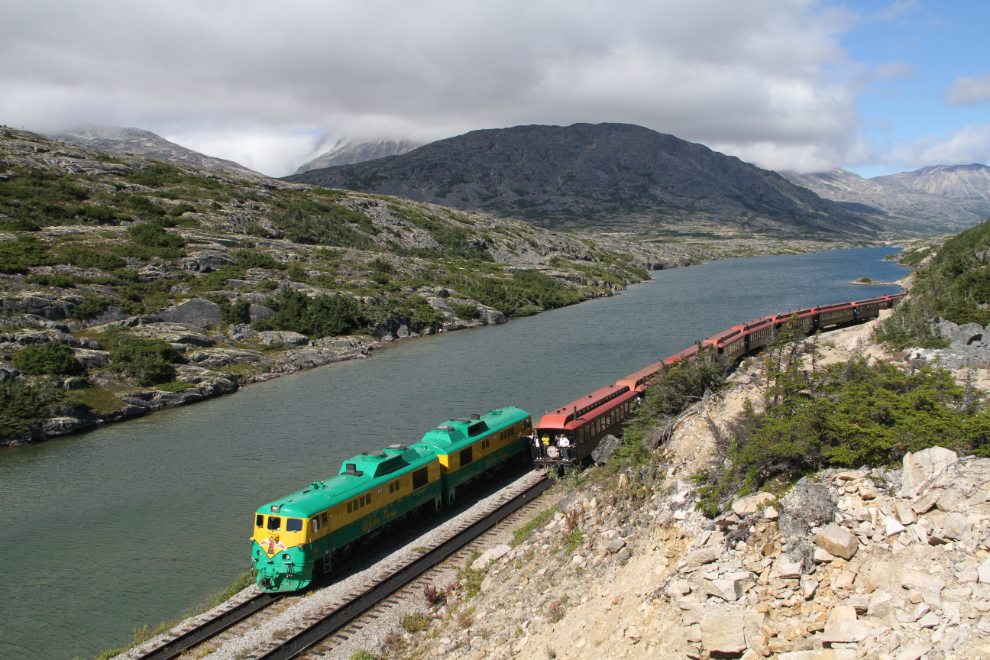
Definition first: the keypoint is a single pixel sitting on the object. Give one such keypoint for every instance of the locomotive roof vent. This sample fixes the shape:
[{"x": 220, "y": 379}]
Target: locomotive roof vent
[
  {"x": 351, "y": 469},
  {"x": 374, "y": 453},
  {"x": 397, "y": 446},
  {"x": 446, "y": 427},
  {"x": 475, "y": 416}
]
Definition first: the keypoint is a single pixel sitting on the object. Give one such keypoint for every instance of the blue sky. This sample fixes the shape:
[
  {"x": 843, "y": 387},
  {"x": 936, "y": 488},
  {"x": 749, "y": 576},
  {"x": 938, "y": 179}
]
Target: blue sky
[
  {"x": 938, "y": 42},
  {"x": 806, "y": 85}
]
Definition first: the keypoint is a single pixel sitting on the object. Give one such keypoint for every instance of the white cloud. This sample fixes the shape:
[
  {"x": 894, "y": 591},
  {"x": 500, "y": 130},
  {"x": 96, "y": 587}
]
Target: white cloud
[
  {"x": 969, "y": 91},
  {"x": 969, "y": 145},
  {"x": 258, "y": 83}
]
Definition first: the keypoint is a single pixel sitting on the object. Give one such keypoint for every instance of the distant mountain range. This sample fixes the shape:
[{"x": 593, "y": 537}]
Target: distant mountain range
[
  {"x": 348, "y": 151},
  {"x": 932, "y": 200},
  {"x": 145, "y": 143},
  {"x": 593, "y": 174}
]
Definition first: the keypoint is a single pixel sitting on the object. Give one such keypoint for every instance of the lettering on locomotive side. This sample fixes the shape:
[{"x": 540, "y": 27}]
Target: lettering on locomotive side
[{"x": 494, "y": 458}]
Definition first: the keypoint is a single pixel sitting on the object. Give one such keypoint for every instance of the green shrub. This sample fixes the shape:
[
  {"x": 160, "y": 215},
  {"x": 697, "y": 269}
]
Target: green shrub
[
  {"x": 255, "y": 259},
  {"x": 23, "y": 406},
  {"x": 91, "y": 307},
  {"x": 179, "y": 209},
  {"x": 57, "y": 281},
  {"x": 25, "y": 252},
  {"x": 157, "y": 176},
  {"x": 88, "y": 258},
  {"x": 465, "y": 311},
  {"x": 153, "y": 235},
  {"x": 362, "y": 654},
  {"x": 383, "y": 266},
  {"x": 322, "y": 316},
  {"x": 19, "y": 225},
  {"x": 140, "y": 205},
  {"x": 325, "y": 223},
  {"x": 48, "y": 359},
  {"x": 148, "y": 361},
  {"x": 415, "y": 622}
]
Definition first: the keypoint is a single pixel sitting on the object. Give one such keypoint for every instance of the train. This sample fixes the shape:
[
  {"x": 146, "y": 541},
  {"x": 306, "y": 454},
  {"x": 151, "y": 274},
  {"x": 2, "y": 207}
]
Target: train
[
  {"x": 589, "y": 419},
  {"x": 297, "y": 538}
]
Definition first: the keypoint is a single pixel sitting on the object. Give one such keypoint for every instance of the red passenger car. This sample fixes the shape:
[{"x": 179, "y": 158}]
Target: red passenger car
[{"x": 584, "y": 422}]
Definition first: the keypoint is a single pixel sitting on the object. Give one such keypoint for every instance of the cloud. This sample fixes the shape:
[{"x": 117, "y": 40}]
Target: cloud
[
  {"x": 893, "y": 71},
  {"x": 969, "y": 145},
  {"x": 969, "y": 91},
  {"x": 766, "y": 78}
]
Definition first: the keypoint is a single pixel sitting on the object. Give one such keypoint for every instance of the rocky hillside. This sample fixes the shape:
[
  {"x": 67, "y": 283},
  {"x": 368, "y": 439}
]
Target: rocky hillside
[
  {"x": 138, "y": 142},
  {"x": 347, "y": 151},
  {"x": 605, "y": 174},
  {"x": 884, "y": 562},
  {"x": 128, "y": 284},
  {"x": 930, "y": 201},
  {"x": 969, "y": 182}
]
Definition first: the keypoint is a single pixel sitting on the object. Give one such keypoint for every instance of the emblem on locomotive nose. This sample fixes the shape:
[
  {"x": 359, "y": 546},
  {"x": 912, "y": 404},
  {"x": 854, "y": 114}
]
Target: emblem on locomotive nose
[{"x": 273, "y": 544}]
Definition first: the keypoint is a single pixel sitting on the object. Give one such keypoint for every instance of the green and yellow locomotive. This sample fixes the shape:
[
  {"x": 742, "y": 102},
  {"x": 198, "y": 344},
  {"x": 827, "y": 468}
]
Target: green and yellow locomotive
[{"x": 296, "y": 537}]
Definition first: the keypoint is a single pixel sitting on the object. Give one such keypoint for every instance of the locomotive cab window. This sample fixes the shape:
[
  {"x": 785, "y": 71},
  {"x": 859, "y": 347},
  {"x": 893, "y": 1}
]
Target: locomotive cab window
[
  {"x": 293, "y": 524},
  {"x": 466, "y": 456},
  {"x": 314, "y": 524},
  {"x": 259, "y": 520},
  {"x": 323, "y": 519},
  {"x": 274, "y": 523}
]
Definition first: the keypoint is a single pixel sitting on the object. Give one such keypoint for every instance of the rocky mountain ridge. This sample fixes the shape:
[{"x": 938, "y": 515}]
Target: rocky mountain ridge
[
  {"x": 932, "y": 200},
  {"x": 139, "y": 142},
  {"x": 347, "y": 151},
  {"x": 609, "y": 174}
]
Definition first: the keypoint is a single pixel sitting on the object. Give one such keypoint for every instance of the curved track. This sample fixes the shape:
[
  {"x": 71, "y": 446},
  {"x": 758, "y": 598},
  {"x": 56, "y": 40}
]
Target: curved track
[{"x": 299, "y": 644}]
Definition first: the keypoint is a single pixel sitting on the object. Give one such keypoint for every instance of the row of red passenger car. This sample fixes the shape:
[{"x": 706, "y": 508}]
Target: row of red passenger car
[{"x": 589, "y": 419}]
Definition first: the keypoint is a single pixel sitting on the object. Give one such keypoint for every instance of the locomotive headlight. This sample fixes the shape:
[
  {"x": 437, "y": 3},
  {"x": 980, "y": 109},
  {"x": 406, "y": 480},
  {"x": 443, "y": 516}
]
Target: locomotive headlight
[{"x": 286, "y": 557}]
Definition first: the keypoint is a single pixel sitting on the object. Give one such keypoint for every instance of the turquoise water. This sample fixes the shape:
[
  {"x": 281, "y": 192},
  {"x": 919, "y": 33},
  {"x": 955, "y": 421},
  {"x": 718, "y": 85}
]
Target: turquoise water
[{"x": 135, "y": 523}]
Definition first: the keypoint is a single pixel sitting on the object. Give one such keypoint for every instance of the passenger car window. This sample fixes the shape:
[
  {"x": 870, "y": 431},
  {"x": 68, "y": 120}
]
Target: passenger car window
[
  {"x": 274, "y": 523},
  {"x": 293, "y": 524}
]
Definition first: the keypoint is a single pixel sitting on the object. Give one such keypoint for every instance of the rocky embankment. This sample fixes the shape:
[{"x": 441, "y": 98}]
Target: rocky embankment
[{"x": 881, "y": 564}]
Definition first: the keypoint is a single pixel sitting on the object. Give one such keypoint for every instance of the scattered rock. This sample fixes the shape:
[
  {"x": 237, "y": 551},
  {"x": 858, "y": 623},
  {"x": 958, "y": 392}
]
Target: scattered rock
[{"x": 837, "y": 541}]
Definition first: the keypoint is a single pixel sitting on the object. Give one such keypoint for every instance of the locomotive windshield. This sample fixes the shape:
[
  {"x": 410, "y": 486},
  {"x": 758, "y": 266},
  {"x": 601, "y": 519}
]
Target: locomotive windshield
[
  {"x": 274, "y": 523},
  {"x": 293, "y": 525}
]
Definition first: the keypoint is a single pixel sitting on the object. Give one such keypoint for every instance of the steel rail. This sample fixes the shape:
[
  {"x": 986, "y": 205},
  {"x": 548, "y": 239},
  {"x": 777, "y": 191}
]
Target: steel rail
[
  {"x": 187, "y": 640},
  {"x": 305, "y": 640}
]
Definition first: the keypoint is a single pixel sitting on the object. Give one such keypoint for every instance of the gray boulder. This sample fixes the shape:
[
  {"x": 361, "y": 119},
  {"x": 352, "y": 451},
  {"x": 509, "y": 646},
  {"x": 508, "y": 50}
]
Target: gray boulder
[
  {"x": 8, "y": 373},
  {"x": 603, "y": 452},
  {"x": 223, "y": 357},
  {"x": 91, "y": 359},
  {"x": 259, "y": 312},
  {"x": 492, "y": 315},
  {"x": 110, "y": 314},
  {"x": 205, "y": 261},
  {"x": 808, "y": 505},
  {"x": 195, "y": 312},
  {"x": 284, "y": 337}
]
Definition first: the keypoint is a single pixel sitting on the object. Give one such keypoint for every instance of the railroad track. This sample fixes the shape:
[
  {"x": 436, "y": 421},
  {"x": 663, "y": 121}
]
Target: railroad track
[
  {"x": 362, "y": 600},
  {"x": 177, "y": 645},
  {"x": 342, "y": 621}
]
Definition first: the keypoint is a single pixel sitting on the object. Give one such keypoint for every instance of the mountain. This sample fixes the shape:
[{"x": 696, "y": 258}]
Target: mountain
[
  {"x": 145, "y": 143},
  {"x": 932, "y": 200},
  {"x": 955, "y": 181},
  {"x": 594, "y": 174},
  {"x": 347, "y": 151}
]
